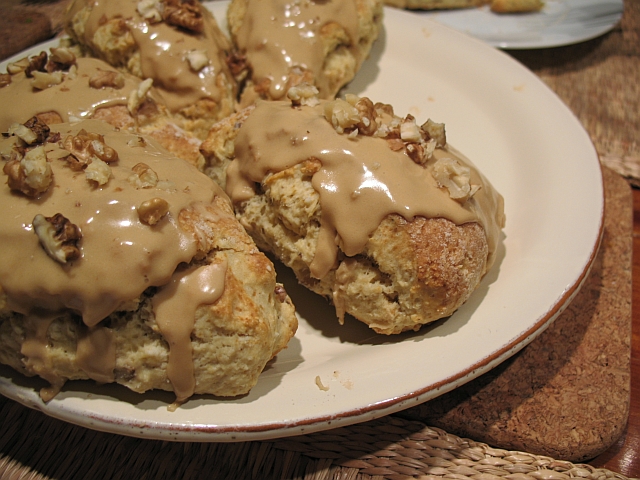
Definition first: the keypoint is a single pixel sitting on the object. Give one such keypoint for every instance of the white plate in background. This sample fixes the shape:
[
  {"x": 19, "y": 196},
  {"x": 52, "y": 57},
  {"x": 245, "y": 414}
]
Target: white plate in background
[
  {"x": 560, "y": 22},
  {"x": 534, "y": 151}
]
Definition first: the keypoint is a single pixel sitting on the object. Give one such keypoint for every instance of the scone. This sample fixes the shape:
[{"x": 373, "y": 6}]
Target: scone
[
  {"x": 121, "y": 263},
  {"x": 319, "y": 42},
  {"x": 176, "y": 43},
  {"x": 369, "y": 209},
  {"x": 59, "y": 87}
]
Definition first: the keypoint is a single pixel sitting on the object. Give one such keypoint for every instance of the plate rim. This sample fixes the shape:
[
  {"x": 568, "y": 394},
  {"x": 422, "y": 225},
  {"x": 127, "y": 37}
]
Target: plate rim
[{"x": 180, "y": 432}]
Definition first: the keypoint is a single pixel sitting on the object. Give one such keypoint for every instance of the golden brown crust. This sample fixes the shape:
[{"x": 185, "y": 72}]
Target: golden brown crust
[
  {"x": 409, "y": 274},
  {"x": 232, "y": 340},
  {"x": 342, "y": 55}
]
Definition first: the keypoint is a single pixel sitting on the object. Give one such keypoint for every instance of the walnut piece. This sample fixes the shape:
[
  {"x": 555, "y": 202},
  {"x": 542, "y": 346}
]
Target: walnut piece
[
  {"x": 150, "y": 10},
  {"x": 58, "y": 236},
  {"x": 89, "y": 151},
  {"x": 137, "y": 96},
  {"x": 342, "y": 115},
  {"x": 152, "y": 211},
  {"x": 455, "y": 177},
  {"x": 143, "y": 176},
  {"x": 106, "y": 78},
  {"x": 183, "y": 13},
  {"x": 61, "y": 58},
  {"x": 36, "y": 63},
  {"x": 32, "y": 175},
  {"x": 98, "y": 171},
  {"x": 38, "y": 128},
  {"x": 18, "y": 66},
  {"x": 85, "y": 146},
  {"x": 303, "y": 94},
  {"x": 197, "y": 59}
]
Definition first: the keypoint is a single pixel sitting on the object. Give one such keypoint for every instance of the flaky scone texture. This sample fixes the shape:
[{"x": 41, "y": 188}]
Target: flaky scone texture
[
  {"x": 58, "y": 86},
  {"x": 309, "y": 187},
  {"x": 232, "y": 340},
  {"x": 342, "y": 51},
  {"x": 409, "y": 274},
  {"x": 237, "y": 316},
  {"x": 177, "y": 44}
]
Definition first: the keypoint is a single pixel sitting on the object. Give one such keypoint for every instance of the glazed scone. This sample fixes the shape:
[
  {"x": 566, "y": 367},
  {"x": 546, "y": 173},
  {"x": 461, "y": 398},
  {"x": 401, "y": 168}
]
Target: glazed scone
[
  {"x": 369, "y": 209},
  {"x": 118, "y": 266},
  {"x": 319, "y": 42},
  {"x": 176, "y": 43},
  {"x": 58, "y": 87}
]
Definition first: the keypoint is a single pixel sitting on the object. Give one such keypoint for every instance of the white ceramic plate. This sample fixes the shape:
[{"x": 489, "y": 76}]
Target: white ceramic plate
[
  {"x": 560, "y": 22},
  {"x": 535, "y": 153}
]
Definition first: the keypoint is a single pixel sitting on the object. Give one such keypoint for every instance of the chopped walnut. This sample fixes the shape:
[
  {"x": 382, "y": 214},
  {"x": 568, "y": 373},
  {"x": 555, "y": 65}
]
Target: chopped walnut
[
  {"x": 18, "y": 66},
  {"x": 197, "y": 59},
  {"x": 342, "y": 115},
  {"x": 143, "y": 176},
  {"x": 150, "y": 10},
  {"x": 36, "y": 63},
  {"x": 5, "y": 79},
  {"x": 86, "y": 145},
  {"x": 58, "y": 236},
  {"x": 435, "y": 131},
  {"x": 98, "y": 171},
  {"x": 455, "y": 177},
  {"x": 137, "y": 96},
  {"x": 409, "y": 131},
  {"x": 32, "y": 175},
  {"x": 106, "y": 78},
  {"x": 10, "y": 148},
  {"x": 303, "y": 94},
  {"x": 237, "y": 63},
  {"x": 183, "y": 13},
  {"x": 367, "y": 124},
  {"x": 152, "y": 211},
  {"x": 44, "y": 80},
  {"x": 61, "y": 58},
  {"x": 38, "y": 128},
  {"x": 23, "y": 133},
  {"x": 90, "y": 152}
]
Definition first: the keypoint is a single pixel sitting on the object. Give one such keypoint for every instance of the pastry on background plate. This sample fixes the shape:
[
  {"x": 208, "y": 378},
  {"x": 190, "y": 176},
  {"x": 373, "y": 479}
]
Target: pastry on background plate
[
  {"x": 284, "y": 44},
  {"x": 176, "y": 43},
  {"x": 370, "y": 210},
  {"x": 121, "y": 263},
  {"x": 498, "y": 6},
  {"x": 58, "y": 87}
]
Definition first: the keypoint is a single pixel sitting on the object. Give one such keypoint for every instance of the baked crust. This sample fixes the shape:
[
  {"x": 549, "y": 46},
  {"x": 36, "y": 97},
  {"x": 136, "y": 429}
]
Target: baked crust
[
  {"x": 342, "y": 55},
  {"x": 232, "y": 338},
  {"x": 410, "y": 273}
]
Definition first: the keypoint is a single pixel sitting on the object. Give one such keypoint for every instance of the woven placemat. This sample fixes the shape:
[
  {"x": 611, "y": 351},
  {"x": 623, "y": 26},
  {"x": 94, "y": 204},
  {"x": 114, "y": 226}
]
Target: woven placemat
[{"x": 37, "y": 447}]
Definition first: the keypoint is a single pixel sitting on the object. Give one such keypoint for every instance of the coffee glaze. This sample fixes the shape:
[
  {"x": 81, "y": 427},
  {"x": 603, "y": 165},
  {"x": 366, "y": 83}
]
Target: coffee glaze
[
  {"x": 361, "y": 180},
  {"x": 279, "y": 35},
  {"x": 121, "y": 256},
  {"x": 163, "y": 49},
  {"x": 73, "y": 99}
]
